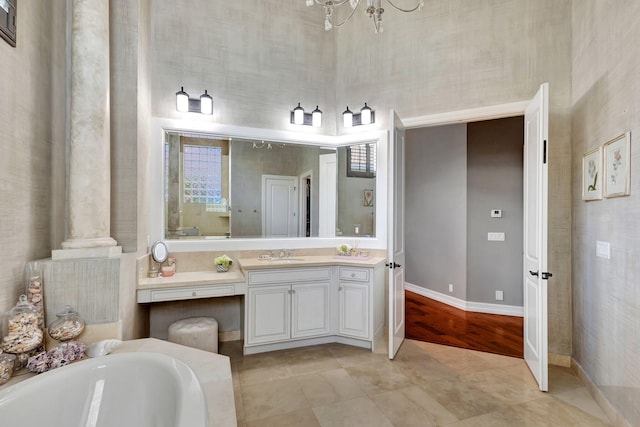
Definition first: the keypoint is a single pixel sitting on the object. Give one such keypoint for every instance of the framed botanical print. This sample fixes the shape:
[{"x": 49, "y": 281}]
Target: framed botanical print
[
  {"x": 591, "y": 176},
  {"x": 617, "y": 166},
  {"x": 8, "y": 21}
]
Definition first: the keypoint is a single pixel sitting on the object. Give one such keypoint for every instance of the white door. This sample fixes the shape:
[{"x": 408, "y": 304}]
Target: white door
[
  {"x": 327, "y": 195},
  {"x": 536, "y": 137},
  {"x": 396, "y": 234},
  {"x": 279, "y": 206}
]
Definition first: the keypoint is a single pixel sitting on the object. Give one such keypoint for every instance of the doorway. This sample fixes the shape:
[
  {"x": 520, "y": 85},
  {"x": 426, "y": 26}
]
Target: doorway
[
  {"x": 464, "y": 210},
  {"x": 279, "y": 206}
]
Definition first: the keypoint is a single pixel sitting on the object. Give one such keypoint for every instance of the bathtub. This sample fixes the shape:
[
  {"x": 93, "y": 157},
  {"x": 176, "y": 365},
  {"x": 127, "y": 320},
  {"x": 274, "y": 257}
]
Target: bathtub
[{"x": 119, "y": 390}]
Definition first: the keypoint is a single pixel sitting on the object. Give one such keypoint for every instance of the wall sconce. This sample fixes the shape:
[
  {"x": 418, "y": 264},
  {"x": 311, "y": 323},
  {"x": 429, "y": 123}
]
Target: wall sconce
[
  {"x": 366, "y": 116},
  {"x": 185, "y": 104},
  {"x": 299, "y": 117}
]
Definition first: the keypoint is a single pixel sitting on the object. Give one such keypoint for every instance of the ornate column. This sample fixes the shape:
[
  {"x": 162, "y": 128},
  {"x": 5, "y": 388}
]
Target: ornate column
[{"x": 89, "y": 185}]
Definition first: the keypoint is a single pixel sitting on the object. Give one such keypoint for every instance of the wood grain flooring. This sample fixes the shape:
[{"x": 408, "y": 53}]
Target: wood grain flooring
[{"x": 433, "y": 321}]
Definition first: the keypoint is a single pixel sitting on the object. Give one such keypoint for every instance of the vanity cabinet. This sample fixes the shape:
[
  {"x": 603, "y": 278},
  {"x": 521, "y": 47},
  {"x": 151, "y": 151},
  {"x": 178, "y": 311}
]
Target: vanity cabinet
[
  {"x": 353, "y": 314},
  {"x": 287, "y": 305}
]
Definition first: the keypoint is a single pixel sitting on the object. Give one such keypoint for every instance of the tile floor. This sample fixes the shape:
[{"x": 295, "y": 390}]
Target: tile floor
[{"x": 426, "y": 385}]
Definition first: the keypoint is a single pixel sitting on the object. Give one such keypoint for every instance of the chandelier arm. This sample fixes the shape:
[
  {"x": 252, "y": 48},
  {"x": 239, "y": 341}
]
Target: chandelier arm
[
  {"x": 348, "y": 17},
  {"x": 335, "y": 3},
  {"x": 417, "y": 6}
]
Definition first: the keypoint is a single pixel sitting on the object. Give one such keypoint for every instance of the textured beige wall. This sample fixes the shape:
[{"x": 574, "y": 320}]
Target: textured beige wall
[
  {"x": 256, "y": 58},
  {"x": 130, "y": 110},
  {"x": 460, "y": 54},
  {"x": 32, "y": 132},
  {"x": 606, "y": 293}
]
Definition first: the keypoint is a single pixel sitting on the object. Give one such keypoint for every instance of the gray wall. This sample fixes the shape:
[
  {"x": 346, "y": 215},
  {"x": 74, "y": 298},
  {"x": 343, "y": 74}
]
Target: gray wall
[
  {"x": 606, "y": 292},
  {"x": 436, "y": 208},
  {"x": 454, "y": 176},
  {"x": 494, "y": 181}
]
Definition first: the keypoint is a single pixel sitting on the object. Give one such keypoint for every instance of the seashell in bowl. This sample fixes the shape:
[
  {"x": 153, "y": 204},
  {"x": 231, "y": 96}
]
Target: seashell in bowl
[{"x": 102, "y": 348}]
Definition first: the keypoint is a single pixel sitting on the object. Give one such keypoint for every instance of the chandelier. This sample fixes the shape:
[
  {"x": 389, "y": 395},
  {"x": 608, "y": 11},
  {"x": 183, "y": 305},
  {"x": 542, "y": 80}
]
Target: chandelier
[{"x": 374, "y": 11}]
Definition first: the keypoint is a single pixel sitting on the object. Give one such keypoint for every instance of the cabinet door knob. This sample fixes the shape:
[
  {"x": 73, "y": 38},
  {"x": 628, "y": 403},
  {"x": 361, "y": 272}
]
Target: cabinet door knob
[{"x": 193, "y": 294}]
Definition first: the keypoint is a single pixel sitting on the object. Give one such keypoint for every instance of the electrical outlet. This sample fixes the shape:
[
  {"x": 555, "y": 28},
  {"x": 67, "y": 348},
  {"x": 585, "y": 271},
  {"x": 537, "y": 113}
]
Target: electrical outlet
[
  {"x": 603, "y": 249},
  {"x": 450, "y": 287},
  {"x": 499, "y": 295}
]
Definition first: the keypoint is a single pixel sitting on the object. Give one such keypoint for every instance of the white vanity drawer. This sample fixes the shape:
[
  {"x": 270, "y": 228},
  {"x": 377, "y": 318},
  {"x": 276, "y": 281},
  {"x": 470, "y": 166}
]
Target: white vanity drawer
[
  {"x": 285, "y": 275},
  {"x": 192, "y": 293},
  {"x": 355, "y": 274}
]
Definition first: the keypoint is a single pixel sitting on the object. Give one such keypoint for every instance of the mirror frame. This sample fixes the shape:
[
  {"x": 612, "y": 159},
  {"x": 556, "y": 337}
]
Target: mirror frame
[{"x": 156, "y": 220}]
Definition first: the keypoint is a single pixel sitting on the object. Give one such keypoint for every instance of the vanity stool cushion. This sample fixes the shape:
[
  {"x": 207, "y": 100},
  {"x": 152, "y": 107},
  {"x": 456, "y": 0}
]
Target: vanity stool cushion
[{"x": 196, "y": 332}]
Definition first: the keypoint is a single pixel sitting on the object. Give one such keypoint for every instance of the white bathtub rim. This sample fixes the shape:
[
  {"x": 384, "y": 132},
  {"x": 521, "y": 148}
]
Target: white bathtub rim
[{"x": 193, "y": 404}]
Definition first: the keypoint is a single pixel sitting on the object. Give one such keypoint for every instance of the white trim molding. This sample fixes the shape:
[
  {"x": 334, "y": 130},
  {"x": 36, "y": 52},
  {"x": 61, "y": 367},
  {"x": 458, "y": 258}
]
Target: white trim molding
[
  {"x": 470, "y": 115},
  {"x": 478, "y": 307}
]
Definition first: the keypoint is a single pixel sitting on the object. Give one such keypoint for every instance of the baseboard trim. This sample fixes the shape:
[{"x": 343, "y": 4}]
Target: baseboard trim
[
  {"x": 559, "y": 360},
  {"x": 616, "y": 418},
  {"x": 229, "y": 336},
  {"x": 478, "y": 307}
]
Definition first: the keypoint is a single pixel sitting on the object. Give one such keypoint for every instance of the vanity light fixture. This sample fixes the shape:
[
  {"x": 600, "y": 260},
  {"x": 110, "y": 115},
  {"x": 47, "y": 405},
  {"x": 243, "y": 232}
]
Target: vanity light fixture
[
  {"x": 366, "y": 116},
  {"x": 299, "y": 117},
  {"x": 184, "y": 104}
]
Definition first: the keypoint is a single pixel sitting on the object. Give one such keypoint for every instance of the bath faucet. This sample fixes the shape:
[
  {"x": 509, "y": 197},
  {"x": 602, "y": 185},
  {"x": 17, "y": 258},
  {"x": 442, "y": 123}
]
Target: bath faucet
[
  {"x": 282, "y": 253},
  {"x": 289, "y": 253}
]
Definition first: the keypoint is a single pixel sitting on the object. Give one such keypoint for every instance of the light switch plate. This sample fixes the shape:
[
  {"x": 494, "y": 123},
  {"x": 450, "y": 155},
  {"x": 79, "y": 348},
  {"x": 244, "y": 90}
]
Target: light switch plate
[
  {"x": 495, "y": 237},
  {"x": 603, "y": 249},
  {"x": 499, "y": 295}
]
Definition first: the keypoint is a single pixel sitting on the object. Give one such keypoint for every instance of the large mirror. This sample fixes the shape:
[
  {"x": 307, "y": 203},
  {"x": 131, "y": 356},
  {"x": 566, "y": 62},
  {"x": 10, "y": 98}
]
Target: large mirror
[{"x": 220, "y": 188}]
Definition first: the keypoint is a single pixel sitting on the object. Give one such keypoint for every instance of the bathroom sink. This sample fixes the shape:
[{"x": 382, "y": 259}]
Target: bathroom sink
[{"x": 284, "y": 260}]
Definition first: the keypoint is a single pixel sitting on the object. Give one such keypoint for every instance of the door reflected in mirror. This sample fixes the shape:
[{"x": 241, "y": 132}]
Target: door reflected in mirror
[{"x": 219, "y": 188}]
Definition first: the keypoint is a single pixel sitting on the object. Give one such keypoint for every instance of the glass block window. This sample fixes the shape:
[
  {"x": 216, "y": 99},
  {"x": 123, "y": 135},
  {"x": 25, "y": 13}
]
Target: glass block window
[
  {"x": 361, "y": 161},
  {"x": 202, "y": 168}
]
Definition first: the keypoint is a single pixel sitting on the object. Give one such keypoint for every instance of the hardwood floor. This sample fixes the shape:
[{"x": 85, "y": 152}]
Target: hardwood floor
[{"x": 433, "y": 321}]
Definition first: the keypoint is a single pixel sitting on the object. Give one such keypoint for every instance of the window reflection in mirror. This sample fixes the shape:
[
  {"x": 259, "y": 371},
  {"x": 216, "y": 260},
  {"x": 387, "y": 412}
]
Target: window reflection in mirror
[{"x": 218, "y": 188}]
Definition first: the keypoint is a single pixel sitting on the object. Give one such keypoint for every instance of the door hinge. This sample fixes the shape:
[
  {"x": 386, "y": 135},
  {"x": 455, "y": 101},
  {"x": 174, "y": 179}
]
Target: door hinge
[{"x": 544, "y": 151}]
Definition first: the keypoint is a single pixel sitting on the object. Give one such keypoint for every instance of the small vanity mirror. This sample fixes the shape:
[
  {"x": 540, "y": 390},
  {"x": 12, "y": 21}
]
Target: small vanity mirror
[
  {"x": 159, "y": 252},
  {"x": 220, "y": 187}
]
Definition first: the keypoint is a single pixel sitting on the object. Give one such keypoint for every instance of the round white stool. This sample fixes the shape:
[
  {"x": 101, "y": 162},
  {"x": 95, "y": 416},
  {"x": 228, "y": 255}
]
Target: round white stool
[{"x": 196, "y": 332}]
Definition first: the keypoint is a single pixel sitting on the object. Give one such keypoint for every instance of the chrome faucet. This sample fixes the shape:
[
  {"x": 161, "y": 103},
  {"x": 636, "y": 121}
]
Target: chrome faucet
[
  {"x": 289, "y": 253},
  {"x": 282, "y": 253}
]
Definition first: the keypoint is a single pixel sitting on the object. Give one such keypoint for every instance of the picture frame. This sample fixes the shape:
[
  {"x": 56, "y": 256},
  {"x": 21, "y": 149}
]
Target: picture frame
[
  {"x": 617, "y": 166},
  {"x": 591, "y": 175},
  {"x": 368, "y": 197}
]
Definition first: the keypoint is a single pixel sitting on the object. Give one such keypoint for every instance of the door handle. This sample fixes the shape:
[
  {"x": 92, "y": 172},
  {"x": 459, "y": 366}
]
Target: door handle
[
  {"x": 393, "y": 265},
  {"x": 533, "y": 273}
]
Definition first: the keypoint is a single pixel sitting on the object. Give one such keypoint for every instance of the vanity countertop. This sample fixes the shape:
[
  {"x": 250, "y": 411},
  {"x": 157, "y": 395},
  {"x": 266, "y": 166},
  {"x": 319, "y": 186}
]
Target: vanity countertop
[
  {"x": 191, "y": 278},
  {"x": 310, "y": 261}
]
